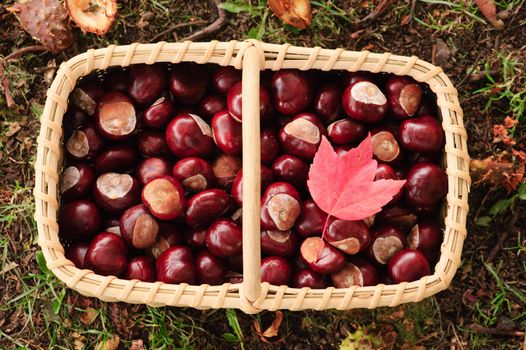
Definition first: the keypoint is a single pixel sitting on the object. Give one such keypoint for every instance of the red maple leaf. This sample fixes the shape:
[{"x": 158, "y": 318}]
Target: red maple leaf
[{"x": 344, "y": 186}]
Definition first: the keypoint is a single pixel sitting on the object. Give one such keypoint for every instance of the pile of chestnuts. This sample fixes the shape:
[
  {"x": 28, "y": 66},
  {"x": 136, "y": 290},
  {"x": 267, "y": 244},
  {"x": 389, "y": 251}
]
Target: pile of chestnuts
[{"x": 152, "y": 183}]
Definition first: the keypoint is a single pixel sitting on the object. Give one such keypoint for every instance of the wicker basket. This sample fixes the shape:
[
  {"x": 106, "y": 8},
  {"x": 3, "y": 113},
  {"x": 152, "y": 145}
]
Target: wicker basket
[{"x": 251, "y": 296}]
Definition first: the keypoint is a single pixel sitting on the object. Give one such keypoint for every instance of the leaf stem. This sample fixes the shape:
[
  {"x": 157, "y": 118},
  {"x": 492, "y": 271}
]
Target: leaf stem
[{"x": 325, "y": 226}]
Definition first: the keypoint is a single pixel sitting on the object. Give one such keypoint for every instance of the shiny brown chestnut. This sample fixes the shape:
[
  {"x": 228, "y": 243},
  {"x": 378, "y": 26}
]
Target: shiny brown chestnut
[
  {"x": 280, "y": 207},
  {"x": 305, "y": 277},
  {"x": 188, "y": 82},
  {"x": 146, "y": 83},
  {"x": 140, "y": 268},
  {"x": 224, "y": 78},
  {"x": 196, "y": 238},
  {"x": 159, "y": 113},
  {"x": 164, "y": 197},
  {"x": 387, "y": 241},
  {"x": 302, "y": 135},
  {"x": 291, "y": 91},
  {"x": 364, "y": 101},
  {"x": 114, "y": 192},
  {"x": 348, "y": 78},
  {"x": 175, "y": 266},
  {"x": 421, "y": 134},
  {"x": 151, "y": 143},
  {"x": 77, "y": 181},
  {"x": 269, "y": 145},
  {"x": 206, "y": 206},
  {"x": 187, "y": 135},
  {"x": 211, "y": 105},
  {"x": 398, "y": 214},
  {"x": 327, "y": 102},
  {"x": 210, "y": 269},
  {"x": 291, "y": 169},
  {"x": 138, "y": 227},
  {"x": 282, "y": 243},
  {"x": 224, "y": 238},
  {"x": 85, "y": 143},
  {"x": 116, "y": 118},
  {"x": 116, "y": 158},
  {"x": 151, "y": 168},
  {"x": 79, "y": 220},
  {"x": 385, "y": 146},
  {"x": 311, "y": 220},
  {"x": 351, "y": 237},
  {"x": 426, "y": 236},
  {"x": 234, "y": 102},
  {"x": 225, "y": 168},
  {"x": 356, "y": 272},
  {"x": 77, "y": 253},
  {"x": 226, "y": 132},
  {"x": 320, "y": 256},
  {"x": 346, "y": 131},
  {"x": 237, "y": 186},
  {"x": 408, "y": 265},
  {"x": 117, "y": 79},
  {"x": 404, "y": 96},
  {"x": 74, "y": 119},
  {"x": 426, "y": 185},
  {"x": 106, "y": 255},
  {"x": 169, "y": 235},
  {"x": 194, "y": 173},
  {"x": 275, "y": 270},
  {"x": 86, "y": 96},
  {"x": 386, "y": 172}
]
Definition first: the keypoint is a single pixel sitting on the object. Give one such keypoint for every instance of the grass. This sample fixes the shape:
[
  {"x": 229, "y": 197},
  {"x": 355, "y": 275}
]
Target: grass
[{"x": 38, "y": 312}]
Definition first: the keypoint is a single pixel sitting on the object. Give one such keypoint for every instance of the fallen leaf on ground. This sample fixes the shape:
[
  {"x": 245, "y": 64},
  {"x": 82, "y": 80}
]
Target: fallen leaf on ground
[
  {"x": 137, "y": 345},
  {"x": 88, "y": 316},
  {"x": 46, "y": 21},
  {"x": 297, "y": 13},
  {"x": 272, "y": 330},
  {"x": 442, "y": 53},
  {"x": 8, "y": 267},
  {"x": 498, "y": 171},
  {"x": 112, "y": 343},
  {"x": 488, "y": 9}
]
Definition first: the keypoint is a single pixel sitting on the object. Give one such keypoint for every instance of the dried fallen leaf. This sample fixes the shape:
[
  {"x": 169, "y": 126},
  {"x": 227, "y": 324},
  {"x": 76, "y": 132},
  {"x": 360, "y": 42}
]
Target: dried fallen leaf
[
  {"x": 488, "y": 9},
  {"x": 137, "y": 345},
  {"x": 8, "y": 267},
  {"x": 272, "y": 330},
  {"x": 509, "y": 122},
  {"x": 498, "y": 171},
  {"x": 297, "y": 13},
  {"x": 46, "y": 21},
  {"x": 94, "y": 16},
  {"x": 500, "y": 134},
  {"x": 442, "y": 53},
  {"x": 112, "y": 343},
  {"x": 88, "y": 316},
  {"x": 12, "y": 128},
  {"x": 79, "y": 341}
]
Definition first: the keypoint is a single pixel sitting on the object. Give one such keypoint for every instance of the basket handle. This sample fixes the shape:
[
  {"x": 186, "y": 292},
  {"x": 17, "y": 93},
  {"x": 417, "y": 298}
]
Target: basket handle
[{"x": 251, "y": 175}]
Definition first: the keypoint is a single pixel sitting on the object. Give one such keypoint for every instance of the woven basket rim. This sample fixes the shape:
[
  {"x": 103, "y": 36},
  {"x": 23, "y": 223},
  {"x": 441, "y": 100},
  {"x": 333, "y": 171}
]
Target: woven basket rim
[{"x": 273, "y": 57}]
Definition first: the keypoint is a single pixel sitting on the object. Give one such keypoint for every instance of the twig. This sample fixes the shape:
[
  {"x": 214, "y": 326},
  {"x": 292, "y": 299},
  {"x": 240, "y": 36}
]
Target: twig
[
  {"x": 470, "y": 71},
  {"x": 24, "y": 50},
  {"x": 3, "y": 80},
  {"x": 5, "y": 86},
  {"x": 412, "y": 13},
  {"x": 174, "y": 27},
  {"x": 378, "y": 10},
  {"x": 502, "y": 237},
  {"x": 495, "y": 331},
  {"x": 214, "y": 26}
]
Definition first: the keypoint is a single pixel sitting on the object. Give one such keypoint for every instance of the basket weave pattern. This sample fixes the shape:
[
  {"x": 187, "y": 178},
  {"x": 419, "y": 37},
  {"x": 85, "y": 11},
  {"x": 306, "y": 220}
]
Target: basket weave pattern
[{"x": 251, "y": 296}]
